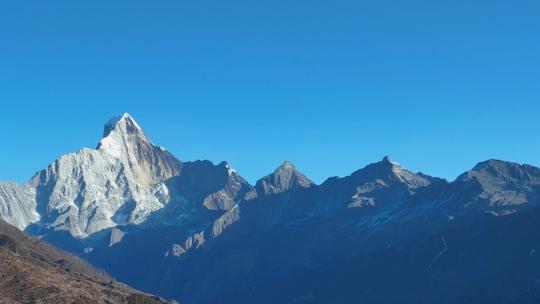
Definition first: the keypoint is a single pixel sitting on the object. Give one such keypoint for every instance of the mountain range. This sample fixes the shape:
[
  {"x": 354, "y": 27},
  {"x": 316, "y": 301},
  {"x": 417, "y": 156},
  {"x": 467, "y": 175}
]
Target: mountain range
[{"x": 200, "y": 232}]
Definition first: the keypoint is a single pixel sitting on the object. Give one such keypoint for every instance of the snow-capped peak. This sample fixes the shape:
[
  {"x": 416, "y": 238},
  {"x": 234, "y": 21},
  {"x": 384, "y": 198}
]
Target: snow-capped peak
[
  {"x": 125, "y": 140},
  {"x": 120, "y": 132},
  {"x": 118, "y": 120},
  {"x": 120, "y": 182}
]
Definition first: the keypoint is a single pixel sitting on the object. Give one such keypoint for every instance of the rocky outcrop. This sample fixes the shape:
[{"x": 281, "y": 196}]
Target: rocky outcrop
[{"x": 18, "y": 204}]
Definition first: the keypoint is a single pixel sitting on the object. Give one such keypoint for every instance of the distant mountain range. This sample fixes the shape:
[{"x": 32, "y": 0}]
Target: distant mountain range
[{"x": 200, "y": 232}]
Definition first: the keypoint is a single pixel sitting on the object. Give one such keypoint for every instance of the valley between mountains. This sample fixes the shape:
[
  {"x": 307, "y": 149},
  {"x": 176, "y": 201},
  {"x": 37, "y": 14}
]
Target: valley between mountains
[{"x": 199, "y": 232}]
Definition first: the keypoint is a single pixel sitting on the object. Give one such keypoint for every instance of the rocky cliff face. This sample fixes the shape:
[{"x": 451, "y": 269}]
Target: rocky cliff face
[
  {"x": 18, "y": 204},
  {"x": 498, "y": 187},
  {"x": 119, "y": 183},
  {"x": 284, "y": 178},
  {"x": 124, "y": 139}
]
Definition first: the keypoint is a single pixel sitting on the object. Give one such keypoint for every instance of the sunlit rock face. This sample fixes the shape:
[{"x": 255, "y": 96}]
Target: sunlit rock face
[
  {"x": 120, "y": 182},
  {"x": 125, "y": 180},
  {"x": 124, "y": 139},
  {"x": 18, "y": 204}
]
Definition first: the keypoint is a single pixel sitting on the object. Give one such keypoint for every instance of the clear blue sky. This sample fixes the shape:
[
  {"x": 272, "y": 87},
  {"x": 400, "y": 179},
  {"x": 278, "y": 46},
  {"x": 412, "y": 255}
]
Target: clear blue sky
[{"x": 329, "y": 85}]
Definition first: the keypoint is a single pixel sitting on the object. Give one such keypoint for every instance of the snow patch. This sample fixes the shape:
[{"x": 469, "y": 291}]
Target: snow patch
[
  {"x": 113, "y": 122},
  {"x": 230, "y": 169},
  {"x": 111, "y": 146}
]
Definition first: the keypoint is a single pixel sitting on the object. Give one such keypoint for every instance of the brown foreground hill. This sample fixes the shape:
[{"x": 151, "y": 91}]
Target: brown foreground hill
[{"x": 32, "y": 271}]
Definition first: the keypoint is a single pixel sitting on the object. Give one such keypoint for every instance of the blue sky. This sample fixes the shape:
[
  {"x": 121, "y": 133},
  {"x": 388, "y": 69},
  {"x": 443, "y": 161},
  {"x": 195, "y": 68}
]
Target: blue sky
[{"x": 329, "y": 85}]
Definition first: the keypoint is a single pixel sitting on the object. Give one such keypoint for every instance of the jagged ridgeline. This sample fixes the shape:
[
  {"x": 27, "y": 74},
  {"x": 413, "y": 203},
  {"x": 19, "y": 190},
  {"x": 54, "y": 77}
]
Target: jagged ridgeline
[{"x": 200, "y": 232}]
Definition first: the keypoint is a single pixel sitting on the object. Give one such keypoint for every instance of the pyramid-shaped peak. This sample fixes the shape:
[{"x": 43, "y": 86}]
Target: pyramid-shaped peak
[
  {"x": 122, "y": 121},
  {"x": 287, "y": 165},
  {"x": 284, "y": 178},
  {"x": 390, "y": 172},
  {"x": 121, "y": 135},
  {"x": 125, "y": 140},
  {"x": 118, "y": 118},
  {"x": 388, "y": 160}
]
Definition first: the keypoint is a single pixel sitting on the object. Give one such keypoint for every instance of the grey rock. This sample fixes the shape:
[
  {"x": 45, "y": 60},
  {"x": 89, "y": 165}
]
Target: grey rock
[
  {"x": 18, "y": 204},
  {"x": 284, "y": 178},
  {"x": 116, "y": 236}
]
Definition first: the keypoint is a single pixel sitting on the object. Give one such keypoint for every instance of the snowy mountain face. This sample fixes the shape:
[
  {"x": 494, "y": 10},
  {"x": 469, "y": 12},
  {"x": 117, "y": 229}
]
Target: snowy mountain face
[
  {"x": 133, "y": 209},
  {"x": 125, "y": 140},
  {"x": 119, "y": 183}
]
